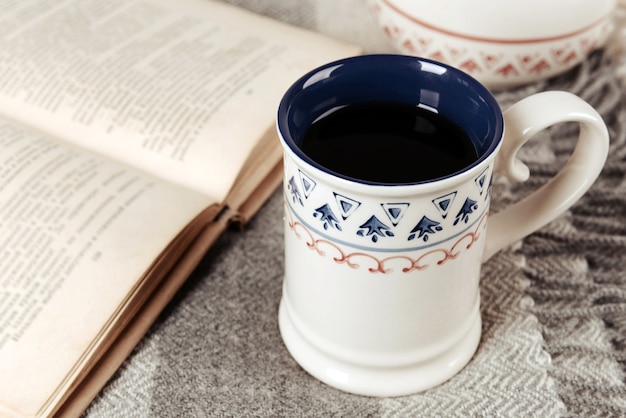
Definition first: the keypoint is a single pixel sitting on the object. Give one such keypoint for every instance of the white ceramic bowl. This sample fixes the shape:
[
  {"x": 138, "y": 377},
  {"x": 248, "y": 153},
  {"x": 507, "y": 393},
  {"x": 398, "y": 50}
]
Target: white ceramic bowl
[{"x": 501, "y": 43}]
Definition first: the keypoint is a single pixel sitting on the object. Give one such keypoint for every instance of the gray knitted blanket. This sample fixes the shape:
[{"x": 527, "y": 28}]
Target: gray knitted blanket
[{"x": 553, "y": 306}]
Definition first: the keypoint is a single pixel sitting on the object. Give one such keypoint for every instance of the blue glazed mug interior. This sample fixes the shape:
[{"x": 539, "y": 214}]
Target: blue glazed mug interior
[{"x": 391, "y": 79}]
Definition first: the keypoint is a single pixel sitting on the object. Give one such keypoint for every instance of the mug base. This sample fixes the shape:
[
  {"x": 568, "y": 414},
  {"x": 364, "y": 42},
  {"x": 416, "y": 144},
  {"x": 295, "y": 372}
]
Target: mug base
[{"x": 377, "y": 381}]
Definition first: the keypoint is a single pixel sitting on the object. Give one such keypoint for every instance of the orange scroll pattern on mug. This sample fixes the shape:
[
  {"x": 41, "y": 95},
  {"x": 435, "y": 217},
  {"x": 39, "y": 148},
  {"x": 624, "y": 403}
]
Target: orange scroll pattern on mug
[{"x": 438, "y": 256}]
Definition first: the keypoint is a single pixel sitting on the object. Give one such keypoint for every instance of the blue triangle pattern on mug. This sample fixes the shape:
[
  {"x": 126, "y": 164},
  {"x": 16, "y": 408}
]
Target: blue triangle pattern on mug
[
  {"x": 489, "y": 184},
  {"x": 374, "y": 229},
  {"x": 424, "y": 228},
  {"x": 469, "y": 207},
  {"x": 443, "y": 203},
  {"x": 481, "y": 181},
  {"x": 295, "y": 191},
  {"x": 326, "y": 215},
  {"x": 395, "y": 211},
  {"x": 308, "y": 184},
  {"x": 346, "y": 205}
]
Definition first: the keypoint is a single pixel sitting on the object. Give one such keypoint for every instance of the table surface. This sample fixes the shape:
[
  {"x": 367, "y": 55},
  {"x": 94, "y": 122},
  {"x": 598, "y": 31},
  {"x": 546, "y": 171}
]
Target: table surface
[{"x": 553, "y": 305}]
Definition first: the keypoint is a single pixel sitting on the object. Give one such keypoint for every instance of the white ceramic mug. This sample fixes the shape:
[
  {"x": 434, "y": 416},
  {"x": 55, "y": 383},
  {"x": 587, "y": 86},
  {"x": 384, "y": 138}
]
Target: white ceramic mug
[{"x": 381, "y": 287}]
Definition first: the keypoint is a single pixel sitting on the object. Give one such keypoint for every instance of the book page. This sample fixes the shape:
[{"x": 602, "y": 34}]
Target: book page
[
  {"x": 77, "y": 237},
  {"x": 161, "y": 85}
]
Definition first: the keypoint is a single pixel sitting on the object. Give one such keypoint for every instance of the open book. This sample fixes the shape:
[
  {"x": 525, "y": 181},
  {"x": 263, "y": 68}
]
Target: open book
[{"x": 132, "y": 132}]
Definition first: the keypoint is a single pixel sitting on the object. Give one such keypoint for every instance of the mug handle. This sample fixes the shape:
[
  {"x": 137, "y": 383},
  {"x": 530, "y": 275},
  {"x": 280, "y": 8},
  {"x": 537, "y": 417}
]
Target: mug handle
[{"x": 522, "y": 121}]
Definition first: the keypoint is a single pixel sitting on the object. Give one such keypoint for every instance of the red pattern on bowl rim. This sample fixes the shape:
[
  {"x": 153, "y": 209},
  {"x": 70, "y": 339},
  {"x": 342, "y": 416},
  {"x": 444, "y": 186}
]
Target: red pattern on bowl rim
[{"x": 496, "y": 62}]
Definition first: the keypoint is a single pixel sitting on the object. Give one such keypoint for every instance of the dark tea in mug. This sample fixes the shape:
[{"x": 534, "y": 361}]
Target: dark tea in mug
[{"x": 388, "y": 143}]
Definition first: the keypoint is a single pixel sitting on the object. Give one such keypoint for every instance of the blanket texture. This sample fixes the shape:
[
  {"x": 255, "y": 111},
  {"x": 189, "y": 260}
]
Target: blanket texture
[{"x": 553, "y": 305}]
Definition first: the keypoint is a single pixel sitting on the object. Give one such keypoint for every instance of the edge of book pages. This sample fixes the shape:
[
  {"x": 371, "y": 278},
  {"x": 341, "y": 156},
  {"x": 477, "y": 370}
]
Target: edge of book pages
[{"x": 76, "y": 401}]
